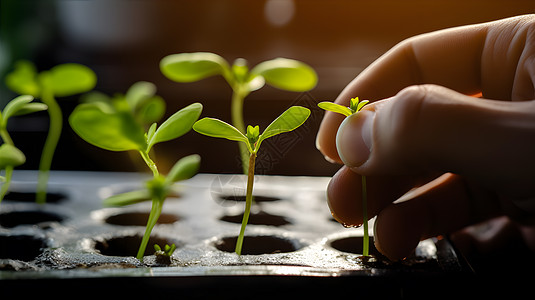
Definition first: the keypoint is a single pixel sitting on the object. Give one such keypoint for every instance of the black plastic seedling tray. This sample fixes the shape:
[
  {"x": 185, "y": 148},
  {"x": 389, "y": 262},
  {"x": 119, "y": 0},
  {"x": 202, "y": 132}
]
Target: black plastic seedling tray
[{"x": 292, "y": 243}]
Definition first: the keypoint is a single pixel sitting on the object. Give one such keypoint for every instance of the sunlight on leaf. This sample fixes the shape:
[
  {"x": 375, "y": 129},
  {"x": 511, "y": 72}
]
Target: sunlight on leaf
[
  {"x": 190, "y": 67},
  {"x": 176, "y": 125},
  {"x": 110, "y": 131},
  {"x": 219, "y": 129},
  {"x": 337, "y": 108},
  {"x": 70, "y": 79},
  {"x": 287, "y": 74},
  {"x": 289, "y": 120}
]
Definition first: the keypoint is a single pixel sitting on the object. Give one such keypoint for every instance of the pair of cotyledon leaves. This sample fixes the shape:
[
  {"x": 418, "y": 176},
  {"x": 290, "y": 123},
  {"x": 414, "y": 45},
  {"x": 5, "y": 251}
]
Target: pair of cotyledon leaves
[
  {"x": 282, "y": 73},
  {"x": 117, "y": 130},
  {"x": 355, "y": 105},
  {"x": 21, "y": 105},
  {"x": 289, "y": 120},
  {"x": 61, "y": 81}
]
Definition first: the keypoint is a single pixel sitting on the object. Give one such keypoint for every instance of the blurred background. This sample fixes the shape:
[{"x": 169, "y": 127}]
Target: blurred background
[{"x": 124, "y": 40}]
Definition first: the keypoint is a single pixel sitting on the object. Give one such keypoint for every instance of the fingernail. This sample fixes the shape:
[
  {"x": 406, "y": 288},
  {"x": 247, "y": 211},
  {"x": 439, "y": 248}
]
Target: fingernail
[{"x": 355, "y": 138}]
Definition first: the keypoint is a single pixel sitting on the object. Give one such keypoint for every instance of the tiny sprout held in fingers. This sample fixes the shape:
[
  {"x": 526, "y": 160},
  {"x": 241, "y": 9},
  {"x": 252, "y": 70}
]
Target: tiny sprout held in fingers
[{"x": 355, "y": 105}]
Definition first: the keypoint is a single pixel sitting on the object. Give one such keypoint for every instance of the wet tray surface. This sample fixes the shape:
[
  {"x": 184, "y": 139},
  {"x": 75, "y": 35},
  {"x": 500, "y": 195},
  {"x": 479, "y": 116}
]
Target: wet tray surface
[{"x": 290, "y": 233}]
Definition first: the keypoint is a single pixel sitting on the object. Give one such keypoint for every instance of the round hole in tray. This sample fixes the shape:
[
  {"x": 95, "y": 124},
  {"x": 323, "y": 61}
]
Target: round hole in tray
[
  {"x": 20, "y": 247},
  {"x": 139, "y": 219},
  {"x": 30, "y": 197},
  {"x": 353, "y": 245},
  {"x": 129, "y": 245},
  {"x": 256, "y": 245},
  {"x": 260, "y": 218},
  {"x": 30, "y": 217},
  {"x": 241, "y": 198}
]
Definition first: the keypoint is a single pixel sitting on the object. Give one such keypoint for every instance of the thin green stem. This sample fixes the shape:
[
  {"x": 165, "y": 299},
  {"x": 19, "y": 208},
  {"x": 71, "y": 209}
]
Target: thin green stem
[
  {"x": 150, "y": 163},
  {"x": 9, "y": 169},
  {"x": 366, "y": 238},
  {"x": 248, "y": 202},
  {"x": 5, "y": 186},
  {"x": 156, "y": 210},
  {"x": 52, "y": 139},
  {"x": 236, "y": 107},
  {"x": 6, "y": 137}
]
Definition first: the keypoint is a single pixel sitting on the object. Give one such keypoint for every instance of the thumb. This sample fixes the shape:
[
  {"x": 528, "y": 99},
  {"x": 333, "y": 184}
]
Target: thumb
[{"x": 430, "y": 128}]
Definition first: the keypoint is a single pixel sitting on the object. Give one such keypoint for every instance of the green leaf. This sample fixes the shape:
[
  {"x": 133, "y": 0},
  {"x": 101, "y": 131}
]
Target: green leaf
[
  {"x": 287, "y": 74},
  {"x": 95, "y": 96},
  {"x": 13, "y": 107},
  {"x": 189, "y": 67},
  {"x": 361, "y": 104},
  {"x": 23, "y": 79},
  {"x": 10, "y": 156},
  {"x": 107, "y": 130},
  {"x": 337, "y": 108},
  {"x": 151, "y": 111},
  {"x": 176, "y": 125},
  {"x": 289, "y": 120},
  {"x": 219, "y": 129},
  {"x": 139, "y": 92},
  {"x": 184, "y": 169},
  {"x": 128, "y": 198},
  {"x": 151, "y": 131},
  {"x": 70, "y": 79},
  {"x": 31, "y": 108}
]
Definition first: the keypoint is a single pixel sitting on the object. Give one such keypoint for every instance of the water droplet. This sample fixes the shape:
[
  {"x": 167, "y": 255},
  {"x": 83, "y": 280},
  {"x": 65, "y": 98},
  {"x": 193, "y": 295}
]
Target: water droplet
[{"x": 351, "y": 225}]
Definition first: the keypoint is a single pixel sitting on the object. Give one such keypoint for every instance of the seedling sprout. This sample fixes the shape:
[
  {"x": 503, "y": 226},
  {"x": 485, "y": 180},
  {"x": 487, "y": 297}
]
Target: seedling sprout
[
  {"x": 289, "y": 120},
  {"x": 354, "y": 107},
  {"x": 283, "y": 73},
  {"x": 60, "y": 81},
  {"x": 114, "y": 128},
  {"x": 11, "y": 156}
]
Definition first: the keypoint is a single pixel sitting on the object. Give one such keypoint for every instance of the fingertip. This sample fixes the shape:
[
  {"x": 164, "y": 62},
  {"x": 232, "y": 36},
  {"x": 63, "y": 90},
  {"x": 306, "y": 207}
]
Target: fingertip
[
  {"x": 341, "y": 198},
  {"x": 395, "y": 235},
  {"x": 354, "y": 138}
]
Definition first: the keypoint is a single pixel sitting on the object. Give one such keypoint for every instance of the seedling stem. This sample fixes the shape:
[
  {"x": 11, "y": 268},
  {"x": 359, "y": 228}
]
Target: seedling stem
[
  {"x": 51, "y": 142},
  {"x": 155, "y": 212},
  {"x": 354, "y": 107},
  {"x": 248, "y": 202},
  {"x": 366, "y": 239}
]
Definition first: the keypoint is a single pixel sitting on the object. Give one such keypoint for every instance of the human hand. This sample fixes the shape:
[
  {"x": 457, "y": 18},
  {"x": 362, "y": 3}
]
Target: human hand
[{"x": 463, "y": 159}]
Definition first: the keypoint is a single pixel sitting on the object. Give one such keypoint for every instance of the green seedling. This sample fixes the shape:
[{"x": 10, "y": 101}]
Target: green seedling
[
  {"x": 140, "y": 101},
  {"x": 163, "y": 256},
  {"x": 283, "y": 73},
  {"x": 60, "y": 81},
  {"x": 11, "y": 156},
  {"x": 289, "y": 120},
  {"x": 166, "y": 251},
  {"x": 354, "y": 107},
  {"x": 114, "y": 128}
]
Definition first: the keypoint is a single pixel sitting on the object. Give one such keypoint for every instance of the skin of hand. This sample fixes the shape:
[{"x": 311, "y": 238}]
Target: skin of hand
[{"x": 448, "y": 140}]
